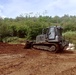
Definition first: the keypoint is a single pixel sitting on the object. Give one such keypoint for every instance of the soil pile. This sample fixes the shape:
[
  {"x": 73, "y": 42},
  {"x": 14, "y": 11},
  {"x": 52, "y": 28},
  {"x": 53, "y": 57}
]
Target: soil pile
[{"x": 15, "y": 60}]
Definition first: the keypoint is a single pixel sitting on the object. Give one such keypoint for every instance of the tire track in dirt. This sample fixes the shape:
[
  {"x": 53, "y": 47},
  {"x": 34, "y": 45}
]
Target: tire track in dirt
[
  {"x": 7, "y": 66},
  {"x": 10, "y": 68},
  {"x": 70, "y": 71}
]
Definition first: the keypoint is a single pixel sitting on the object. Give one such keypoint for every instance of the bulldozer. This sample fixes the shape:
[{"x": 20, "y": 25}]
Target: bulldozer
[{"x": 51, "y": 40}]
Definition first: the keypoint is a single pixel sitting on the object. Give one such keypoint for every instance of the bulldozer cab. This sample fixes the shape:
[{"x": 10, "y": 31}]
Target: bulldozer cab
[{"x": 52, "y": 32}]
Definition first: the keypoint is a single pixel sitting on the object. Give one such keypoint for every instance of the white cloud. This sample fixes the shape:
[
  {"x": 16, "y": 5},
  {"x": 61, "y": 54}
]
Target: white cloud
[
  {"x": 1, "y": 7},
  {"x": 1, "y": 12},
  {"x": 60, "y": 7},
  {"x": 14, "y": 8}
]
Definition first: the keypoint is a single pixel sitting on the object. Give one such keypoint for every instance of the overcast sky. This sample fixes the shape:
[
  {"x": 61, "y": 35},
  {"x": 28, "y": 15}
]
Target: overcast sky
[{"x": 14, "y": 8}]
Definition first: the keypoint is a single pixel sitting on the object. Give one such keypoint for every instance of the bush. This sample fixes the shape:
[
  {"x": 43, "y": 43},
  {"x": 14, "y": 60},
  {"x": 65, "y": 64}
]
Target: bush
[
  {"x": 71, "y": 36},
  {"x": 10, "y": 39}
]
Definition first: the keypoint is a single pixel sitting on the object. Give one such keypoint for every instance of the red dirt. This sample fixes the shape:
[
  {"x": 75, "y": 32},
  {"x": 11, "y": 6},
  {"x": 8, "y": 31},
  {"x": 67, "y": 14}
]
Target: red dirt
[{"x": 15, "y": 60}]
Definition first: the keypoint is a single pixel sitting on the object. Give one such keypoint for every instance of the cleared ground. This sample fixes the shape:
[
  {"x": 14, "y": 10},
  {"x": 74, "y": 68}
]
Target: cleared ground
[{"x": 14, "y": 60}]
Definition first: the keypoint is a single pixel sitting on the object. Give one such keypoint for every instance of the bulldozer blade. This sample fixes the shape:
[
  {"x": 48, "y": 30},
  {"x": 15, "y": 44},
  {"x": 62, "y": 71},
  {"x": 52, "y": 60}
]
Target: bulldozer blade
[{"x": 28, "y": 45}]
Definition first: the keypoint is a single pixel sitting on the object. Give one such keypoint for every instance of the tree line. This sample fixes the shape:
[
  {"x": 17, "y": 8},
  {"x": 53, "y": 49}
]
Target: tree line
[{"x": 29, "y": 27}]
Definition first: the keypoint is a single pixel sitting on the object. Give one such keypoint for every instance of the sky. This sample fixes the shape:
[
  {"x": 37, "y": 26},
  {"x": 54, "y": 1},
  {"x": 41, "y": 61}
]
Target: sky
[{"x": 14, "y": 8}]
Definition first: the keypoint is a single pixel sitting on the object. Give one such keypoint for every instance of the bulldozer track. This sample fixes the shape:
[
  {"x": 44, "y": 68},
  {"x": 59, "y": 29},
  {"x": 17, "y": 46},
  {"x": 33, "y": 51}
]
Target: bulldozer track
[{"x": 53, "y": 47}]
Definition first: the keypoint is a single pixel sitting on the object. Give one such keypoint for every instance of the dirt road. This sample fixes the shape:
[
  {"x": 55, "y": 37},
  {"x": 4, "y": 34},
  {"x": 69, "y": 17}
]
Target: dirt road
[{"x": 14, "y": 60}]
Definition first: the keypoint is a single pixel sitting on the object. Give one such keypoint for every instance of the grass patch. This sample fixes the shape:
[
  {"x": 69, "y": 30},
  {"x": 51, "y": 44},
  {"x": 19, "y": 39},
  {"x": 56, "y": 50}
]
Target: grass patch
[{"x": 14, "y": 40}]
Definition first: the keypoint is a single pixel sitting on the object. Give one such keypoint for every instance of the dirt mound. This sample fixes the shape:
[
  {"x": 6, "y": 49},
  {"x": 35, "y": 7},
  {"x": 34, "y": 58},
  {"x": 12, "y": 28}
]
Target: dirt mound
[
  {"x": 10, "y": 48},
  {"x": 15, "y": 60}
]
